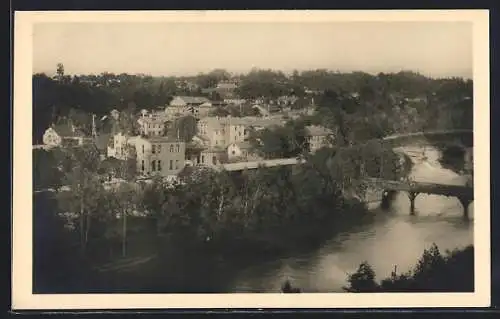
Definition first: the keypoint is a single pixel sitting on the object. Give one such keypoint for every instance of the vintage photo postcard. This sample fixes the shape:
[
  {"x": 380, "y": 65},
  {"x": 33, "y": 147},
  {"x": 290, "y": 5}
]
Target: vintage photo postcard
[{"x": 251, "y": 159}]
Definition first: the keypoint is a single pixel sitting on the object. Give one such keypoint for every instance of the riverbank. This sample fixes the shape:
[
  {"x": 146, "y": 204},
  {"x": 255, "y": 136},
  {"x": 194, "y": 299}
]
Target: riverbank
[{"x": 170, "y": 263}]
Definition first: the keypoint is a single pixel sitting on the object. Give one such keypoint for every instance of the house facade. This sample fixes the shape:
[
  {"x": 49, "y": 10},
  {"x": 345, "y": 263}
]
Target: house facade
[
  {"x": 151, "y": 126},
  {"x": 318, "y": 137},
  {"x": 159, "y": 155},
  {"x": 63, "y": 134},
  {"x": 241, "y": 151},
  {"x": 119, "y": 145}
]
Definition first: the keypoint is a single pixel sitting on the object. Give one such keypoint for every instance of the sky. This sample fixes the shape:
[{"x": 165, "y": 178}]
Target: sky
[{"x": 436, "y": 49}]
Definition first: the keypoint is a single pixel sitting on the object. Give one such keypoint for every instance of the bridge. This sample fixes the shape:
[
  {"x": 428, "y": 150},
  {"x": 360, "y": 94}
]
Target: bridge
[
  {"x": 465, "y": 194},
  {"x": 240, "y": 166},
  {"x": 463, "y": 137}
]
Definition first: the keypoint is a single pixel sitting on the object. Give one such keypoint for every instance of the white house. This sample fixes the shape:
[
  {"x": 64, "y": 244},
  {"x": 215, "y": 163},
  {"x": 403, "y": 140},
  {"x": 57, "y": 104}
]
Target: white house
[
  {"x": 241, "y": 151},
  {"x": 151, "y": 126},
  {"x": 118, "y": 145},
  {"x": 60, "y": 134}
]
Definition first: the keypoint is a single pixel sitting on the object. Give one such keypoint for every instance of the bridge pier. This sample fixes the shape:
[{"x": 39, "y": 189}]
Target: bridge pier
[
  {"x": 465, "y": 201},
  {"x": 412, "y": 196},
  {"x": 387, "y": 197}
]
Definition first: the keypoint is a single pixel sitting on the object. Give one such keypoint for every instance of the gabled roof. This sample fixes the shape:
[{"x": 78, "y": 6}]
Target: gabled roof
[
  {"x": 226, "y": 85},
  {"x": 314, "y": 130},
  {"x": 244, "y": 145},
  {"x": 66, "y": 130},
  {"x": 193, "y": 99}
]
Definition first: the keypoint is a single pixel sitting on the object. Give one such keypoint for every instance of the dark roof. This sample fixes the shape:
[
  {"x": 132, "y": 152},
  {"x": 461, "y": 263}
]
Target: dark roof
[
  {"x": 193, "y": 99},
  {"x": 65, "y": 130}
]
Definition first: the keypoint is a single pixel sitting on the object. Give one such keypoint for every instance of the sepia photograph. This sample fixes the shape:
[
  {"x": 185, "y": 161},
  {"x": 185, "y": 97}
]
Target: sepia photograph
[{"x": 239, "y": 155}]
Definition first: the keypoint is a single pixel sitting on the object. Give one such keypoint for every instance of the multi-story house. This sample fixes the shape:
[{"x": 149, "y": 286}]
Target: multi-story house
[
  {"x": 119, "y": 145},
  {"x": 151, "y": 125},
  {"x": 159, "y": 155},
  {"x": 318, "y": 137}
]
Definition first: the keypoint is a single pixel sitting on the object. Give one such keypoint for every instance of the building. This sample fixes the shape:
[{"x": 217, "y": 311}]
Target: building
[
  {"x": 318, "y": 137},
  {"x": 151, "y": 125},
  {"x": 159, "y": 155},
  {"x": 63, "y": 134},
  {"x": 119, "y": 145},
  {"x": 200, "y": 153},
  {"x": 188, "y": 101},
  {"x": 188, "y": 105},
  {"x": 267, "y": 110},
  {"x": 222, "y": 131},
  {"x": 241, "y": 151}
]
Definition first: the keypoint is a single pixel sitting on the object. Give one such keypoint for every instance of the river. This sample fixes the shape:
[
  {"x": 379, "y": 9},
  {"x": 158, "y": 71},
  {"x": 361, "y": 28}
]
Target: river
[{"x": 395, "y": 238}]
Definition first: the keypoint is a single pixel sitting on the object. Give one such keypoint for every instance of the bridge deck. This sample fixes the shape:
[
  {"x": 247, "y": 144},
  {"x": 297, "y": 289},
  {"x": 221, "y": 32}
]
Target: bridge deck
[
  {"x": 423, "y": 187},
  {"x": 264, "y": 163}
]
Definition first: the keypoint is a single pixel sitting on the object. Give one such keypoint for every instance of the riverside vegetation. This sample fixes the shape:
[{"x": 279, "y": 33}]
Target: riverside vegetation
[{"x": 265, "y": 211}]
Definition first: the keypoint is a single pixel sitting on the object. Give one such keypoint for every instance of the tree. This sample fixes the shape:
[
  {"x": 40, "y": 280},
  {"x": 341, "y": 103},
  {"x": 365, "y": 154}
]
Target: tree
[
  {"x": 128, "y": 199},
  {"x": 127, "y": 122},
  {"x": 154, "y": 199},
  {"x": 80, "y": 202},
  {"x": 219, "y": 111},
  {"x": 363, "y": 280},
  {"x": 46, "y": 170},
  {"x": 184, "y": 127},
  {"x": 60, "y": 71}
]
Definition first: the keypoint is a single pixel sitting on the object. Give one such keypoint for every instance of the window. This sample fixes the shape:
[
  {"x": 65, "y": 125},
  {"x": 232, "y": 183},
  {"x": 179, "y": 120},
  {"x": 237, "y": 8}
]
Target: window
[
  {"x": 171, "y": 165},
  {"x": 233, "y": 152},
  {"x": 142, "y": 149},
  {"x": 159, "y": 165},
  {"x": 203, "y": 158},
  {"x": 142, "y": 166},
  {"x": 171, "y": 148},
  {"x": 158, "y": 149},
  {"x": 176, "y": 164},
  {"x": 177, "y": 148},
  {"x": 216, "y": 142},
  {"x": 153, "y": 149},
  {"x": 214, "y": 160},
  {"x": 153, "y": 165}
]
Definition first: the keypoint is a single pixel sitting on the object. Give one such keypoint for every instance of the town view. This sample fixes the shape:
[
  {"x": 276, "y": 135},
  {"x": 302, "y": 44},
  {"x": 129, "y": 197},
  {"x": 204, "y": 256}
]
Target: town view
[{"x": 312, "y": 180}]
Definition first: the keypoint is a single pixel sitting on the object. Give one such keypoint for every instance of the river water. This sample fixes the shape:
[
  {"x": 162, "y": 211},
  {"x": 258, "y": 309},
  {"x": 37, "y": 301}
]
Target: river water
[{"x": 395, "y": 239}]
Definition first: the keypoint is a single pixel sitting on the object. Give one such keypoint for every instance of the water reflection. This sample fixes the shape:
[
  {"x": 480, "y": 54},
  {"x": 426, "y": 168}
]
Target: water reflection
[{"x": 395, "y": 238}]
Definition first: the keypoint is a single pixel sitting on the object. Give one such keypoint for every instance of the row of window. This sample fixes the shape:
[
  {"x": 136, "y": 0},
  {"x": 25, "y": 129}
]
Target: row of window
[
  {"x": 156, "y": 165},
  {"x": 155, "y": 125},
  {"x": 156, "y": 148}
]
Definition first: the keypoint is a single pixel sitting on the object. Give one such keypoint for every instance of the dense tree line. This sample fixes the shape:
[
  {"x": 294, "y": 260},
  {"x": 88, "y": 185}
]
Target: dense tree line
[
  {"x": 434, "y": 272},
  {"x": 351, "y": 99}
]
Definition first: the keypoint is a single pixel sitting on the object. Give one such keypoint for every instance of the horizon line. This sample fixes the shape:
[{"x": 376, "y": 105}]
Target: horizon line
[{"x": 285, "y": 72}]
